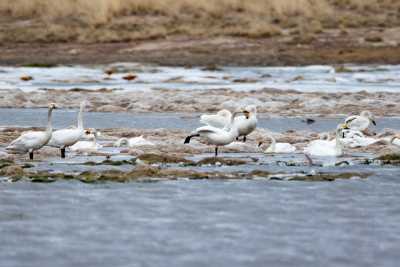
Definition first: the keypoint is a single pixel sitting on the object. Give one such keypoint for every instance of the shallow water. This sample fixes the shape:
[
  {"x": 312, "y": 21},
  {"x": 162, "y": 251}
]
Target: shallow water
[
  {"x": 306, "y": 79},
  {"x": 102, "y": 120},
  {"x": 202, "y": 223}
]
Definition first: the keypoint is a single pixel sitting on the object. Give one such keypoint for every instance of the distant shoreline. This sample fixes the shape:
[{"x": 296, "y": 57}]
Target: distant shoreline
[{"x": 327, "y": 48}]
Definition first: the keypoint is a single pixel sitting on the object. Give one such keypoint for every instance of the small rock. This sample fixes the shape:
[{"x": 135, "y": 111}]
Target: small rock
[
  {"x": 129, "y": 77},
  {"x": 26, "y": 78}
]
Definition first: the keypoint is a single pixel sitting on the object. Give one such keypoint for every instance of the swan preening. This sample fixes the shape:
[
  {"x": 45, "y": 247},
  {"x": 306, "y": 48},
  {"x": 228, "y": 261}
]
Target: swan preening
[
  {"x": 275, "y": 147},
  {"x": 328, "y": 147},
  {"x": 30, "y": 141},
  {"x": 360, "y": 122},
  {"x": 217, "y": 136},
  {"x": 133, "y": 142},
  {"x": 90, "y": 145}
]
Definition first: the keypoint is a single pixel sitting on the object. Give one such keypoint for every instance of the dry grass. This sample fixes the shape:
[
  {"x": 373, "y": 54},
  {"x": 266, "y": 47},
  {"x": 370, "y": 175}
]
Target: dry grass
[{"x": 124, "y": 20}]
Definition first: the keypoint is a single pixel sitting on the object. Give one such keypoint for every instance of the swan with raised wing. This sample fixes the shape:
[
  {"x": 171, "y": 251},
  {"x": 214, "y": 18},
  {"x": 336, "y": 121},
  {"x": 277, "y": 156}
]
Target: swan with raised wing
[
  {"x": 217, "y": 136},
  {"x": 30, "y": 141},
  {"x": 221, "y": 119},
  {"x": 360, "y": 122},
  {"x": 67, "y": 137}
]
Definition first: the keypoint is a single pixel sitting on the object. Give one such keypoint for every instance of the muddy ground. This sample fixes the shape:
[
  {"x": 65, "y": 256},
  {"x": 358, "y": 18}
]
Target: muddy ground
[{"x": 331, "y": 46}]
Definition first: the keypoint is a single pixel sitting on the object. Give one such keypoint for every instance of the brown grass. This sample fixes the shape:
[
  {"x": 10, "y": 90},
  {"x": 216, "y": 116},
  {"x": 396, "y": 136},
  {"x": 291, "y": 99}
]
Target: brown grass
[{"x": 124, "y": 20}]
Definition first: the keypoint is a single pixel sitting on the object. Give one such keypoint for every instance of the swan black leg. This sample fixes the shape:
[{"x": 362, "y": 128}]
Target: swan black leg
[
  {"x": 62, "y": 153},
  {"x": 244, "y": 139},
  {"x": 216, "y": 151},
  {"x": 31, "y": 155}
]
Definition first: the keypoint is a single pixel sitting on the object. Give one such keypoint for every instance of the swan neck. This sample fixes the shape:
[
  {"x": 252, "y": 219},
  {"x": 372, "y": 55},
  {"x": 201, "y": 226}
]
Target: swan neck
[
  {"x": 273, "y": 142},
  {"x": 80, "y": 117},
  {"x": 49, "y": 128},
  {"x": 338, "y": 145}
]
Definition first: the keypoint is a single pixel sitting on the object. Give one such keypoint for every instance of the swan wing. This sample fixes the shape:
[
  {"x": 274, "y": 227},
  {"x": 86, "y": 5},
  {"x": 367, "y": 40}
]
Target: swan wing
[
  {"x": 207, "y": 129},
  {"x": 65, "y": 137},
  {"x": 28, "y": 140},
  {"x": 321, "y": 148},
  {"x": 214, "y": 120},
  {"x": 284, "y": 148},
  {"x": 358, "y": 123}
]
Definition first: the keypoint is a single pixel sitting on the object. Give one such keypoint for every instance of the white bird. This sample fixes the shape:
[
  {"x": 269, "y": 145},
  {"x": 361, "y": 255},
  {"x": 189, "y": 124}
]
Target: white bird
[
  {"x": 360, "y": 122},
  {"x": 278, "y": 147},
  {"x": 217, "y": 136},
  {"x": 133, "y": 142},
  {"x": 395, "y": 140},
  {"x": 89, "y": 145},
  {"x": 219, "y": 120},
  {"x": 248, "y": 123},
  {"x": 33, "y": 140},
  {"x": 325, "y": 147},
  {"x": 67, "y": 137},
  {"x": 354, "y": 139}
]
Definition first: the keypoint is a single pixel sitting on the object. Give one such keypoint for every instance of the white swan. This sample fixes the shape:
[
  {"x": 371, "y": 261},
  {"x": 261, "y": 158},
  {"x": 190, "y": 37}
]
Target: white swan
[
  {"x": 67, "y": 137},
  {"x": 248, "y": 123},
  {"x": 133, "y": 142},
  {"x": 90, "y": 145},
  {"x": 278, "y": 147},
  {"x": 217, "y": 136},
  {"x": 354, "y": 139},
  {"x": 219, "y": 120},
  {"x": 360, "y": 122},
  {"x": 33, "y": 140},
  {"x": 325, "y": 147}
]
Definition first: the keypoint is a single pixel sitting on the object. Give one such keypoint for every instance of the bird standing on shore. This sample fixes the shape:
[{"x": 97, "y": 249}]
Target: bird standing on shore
[
  {"x": 67, "y": 137},
  {"x": 217, "y": 136},
  {"x": 33, "y": 140},
  {"x": 248, "y": 123}
]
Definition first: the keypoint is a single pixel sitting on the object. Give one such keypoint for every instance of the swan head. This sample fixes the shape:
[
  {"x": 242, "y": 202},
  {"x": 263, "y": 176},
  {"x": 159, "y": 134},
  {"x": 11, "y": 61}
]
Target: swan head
[
  {"x": 340, "y": 129},
  {"x": 92, "y": 132},
  {"x": 251, "y": 109},
  {"x": 52, "y": 106},
  {"x": 367, "y": 114}
]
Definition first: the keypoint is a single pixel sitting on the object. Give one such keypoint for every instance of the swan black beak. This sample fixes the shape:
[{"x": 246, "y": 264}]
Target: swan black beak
[
  {"x": 259, "y": 144},
  {"x": 246, "y": 113},
  {"x": 373, "y": 122}
]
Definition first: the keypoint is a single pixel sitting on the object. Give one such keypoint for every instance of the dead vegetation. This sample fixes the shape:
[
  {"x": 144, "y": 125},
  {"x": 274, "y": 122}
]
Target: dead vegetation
[{"x": 126, "y": 20}]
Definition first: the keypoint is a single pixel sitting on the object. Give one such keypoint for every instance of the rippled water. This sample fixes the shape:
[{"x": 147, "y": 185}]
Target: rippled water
[{"x": 202, "y": 223}]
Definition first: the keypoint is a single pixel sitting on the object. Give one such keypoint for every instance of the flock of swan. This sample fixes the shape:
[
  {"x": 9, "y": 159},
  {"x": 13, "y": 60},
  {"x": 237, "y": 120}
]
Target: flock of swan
[{"x": 220, "y": 129}]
